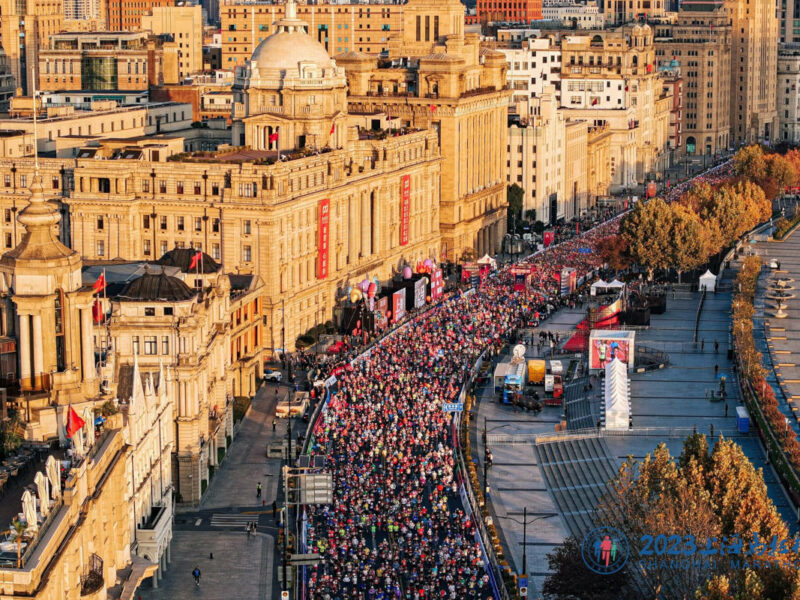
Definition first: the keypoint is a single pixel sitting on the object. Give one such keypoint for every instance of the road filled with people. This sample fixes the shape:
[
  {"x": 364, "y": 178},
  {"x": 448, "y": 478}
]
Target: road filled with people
[{"x": 397, "y": 527}]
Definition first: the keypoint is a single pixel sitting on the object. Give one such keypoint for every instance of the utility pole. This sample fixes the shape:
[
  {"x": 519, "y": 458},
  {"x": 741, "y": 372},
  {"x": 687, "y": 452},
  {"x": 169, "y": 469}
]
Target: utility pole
[{"x": 285, "y": 524}]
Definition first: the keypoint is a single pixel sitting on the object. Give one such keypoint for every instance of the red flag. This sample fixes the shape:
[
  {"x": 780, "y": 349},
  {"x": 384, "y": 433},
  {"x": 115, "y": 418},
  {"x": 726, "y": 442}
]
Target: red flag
[
  {"x": 594, "y": 101},
  {"x": 100, "y": 284},
  {"x": 196, "y": 258},
  {"x": 74, "y": 422},
  {"x": 667, "y": 183},
  {"x": 97, "y": 311},
  {"x": 273, "y": 137},
  {"x": 333, "y": 128},
  {"x": 433, "y": 109}
]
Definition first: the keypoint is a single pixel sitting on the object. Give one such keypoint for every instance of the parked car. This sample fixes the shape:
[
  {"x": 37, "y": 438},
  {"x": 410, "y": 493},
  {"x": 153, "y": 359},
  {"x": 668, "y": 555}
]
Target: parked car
[{"x": 270, "y": 375}]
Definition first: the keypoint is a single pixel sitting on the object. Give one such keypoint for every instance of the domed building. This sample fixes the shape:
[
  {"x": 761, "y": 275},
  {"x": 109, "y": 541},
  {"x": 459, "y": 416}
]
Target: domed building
[{"x": 290, "y": 94}]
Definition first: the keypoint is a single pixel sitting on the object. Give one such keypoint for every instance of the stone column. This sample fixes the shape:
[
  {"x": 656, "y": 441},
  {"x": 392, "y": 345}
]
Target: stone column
[
  {"x": 88, "y": 350},
  {"x": 38, "y": 350},
  {"x": 24, "y": 348}
]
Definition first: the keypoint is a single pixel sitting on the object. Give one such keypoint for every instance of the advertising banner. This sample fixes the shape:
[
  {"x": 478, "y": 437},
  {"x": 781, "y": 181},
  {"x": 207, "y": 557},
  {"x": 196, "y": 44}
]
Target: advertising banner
[
  {"x": 548, "y": 237},
  {"x": 405, "y": 208},
  {"x": 437, "y": 284},
  {"x": 603, "y": 350},
  {"x": 568, "y": 281},
  {"x": 419, "y": 293},
  {"x": 324, "y": 238},
  {"x": 398, "y": 305}
]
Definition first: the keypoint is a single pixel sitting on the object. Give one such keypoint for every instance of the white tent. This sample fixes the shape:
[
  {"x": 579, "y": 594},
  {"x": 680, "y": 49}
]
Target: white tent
[
  {"x": 616, "y": 395},
  {"x": 487, "y": 260},
  {"x": 708, "y": 281},
  {"x": 616, "y": 284},
  {"x": 597, "y": 285}
]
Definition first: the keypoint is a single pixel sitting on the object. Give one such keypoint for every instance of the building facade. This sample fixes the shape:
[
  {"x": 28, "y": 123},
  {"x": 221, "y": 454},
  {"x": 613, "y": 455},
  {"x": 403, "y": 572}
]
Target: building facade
[
  {"x": 185, "y": 26},
  {"x": 511, "y": 12},
  {"x": 532, "y": 66},
  {"x": 754, "y": 61},
  {"x": 339, "y": 28},
  {"x": 698, "y": 47},
  {"x": 788, "y": 95},
  {"x": 575, "y": 15},
  {"x": 126, "y": 15}
]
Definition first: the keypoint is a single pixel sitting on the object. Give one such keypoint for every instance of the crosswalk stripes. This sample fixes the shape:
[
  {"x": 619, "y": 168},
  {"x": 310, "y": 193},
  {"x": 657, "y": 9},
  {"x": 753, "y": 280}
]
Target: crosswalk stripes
[{"x": 236, "y": 521}]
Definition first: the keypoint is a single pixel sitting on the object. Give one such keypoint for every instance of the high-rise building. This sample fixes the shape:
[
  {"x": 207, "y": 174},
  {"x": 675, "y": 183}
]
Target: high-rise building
[
  {"x": 789, "y": 93},
  {"x": 522, "y": 11},
  {"x": 25, "y": 27},
  {"x": 82, "y": 10},
  {"x": 532, "y": 66},
  {"x": 698, "y": 48},
  {"x": 126, "y": 15},
  {"x": 185, "y": 25},
  {"x": 620, "y": 12},
  {"x": 754, "y": 69},
  {"x": 789, "y": 27},
  {"x": 339, "y": 28}
]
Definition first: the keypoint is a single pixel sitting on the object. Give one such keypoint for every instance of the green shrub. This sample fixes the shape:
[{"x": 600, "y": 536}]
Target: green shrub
[{"x": 240, "y": 406}]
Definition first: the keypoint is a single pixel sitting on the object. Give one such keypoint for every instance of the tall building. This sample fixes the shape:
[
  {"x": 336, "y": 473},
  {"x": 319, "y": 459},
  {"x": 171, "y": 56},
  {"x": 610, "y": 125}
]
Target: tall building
[
  {"x": 789, "y": 93},
  {"x": 112, "y": 61},
  {"x": 185, "y": 25},
  {"x": 620, "y": 12},
  {"x": 126, "y": 15},
  {"x": 575, "y": 15},
  {"x": 754, "y": 69},
  {"x": 789, "y": 27},
  {"x": 339, "y": 28},
  {"x": 698, "y": 47},
  {"x": 437, "y": 77},
  {"x": 25, "y": 27},
  {"x": 82, "y": 10},
  {"x": 523, "y": 11},
  {"x": 532, "y": 66}
]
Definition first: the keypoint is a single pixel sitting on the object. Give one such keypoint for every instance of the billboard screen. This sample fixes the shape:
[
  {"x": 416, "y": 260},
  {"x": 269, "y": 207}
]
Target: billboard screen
[
  {"x": 603, "y": 350},
  {"x": 398, "y": 305},
  {"x": 419, "y": 292}
]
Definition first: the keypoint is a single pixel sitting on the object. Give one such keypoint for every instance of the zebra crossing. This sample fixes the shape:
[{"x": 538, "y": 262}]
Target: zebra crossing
[{"x": 231, "y": 521}]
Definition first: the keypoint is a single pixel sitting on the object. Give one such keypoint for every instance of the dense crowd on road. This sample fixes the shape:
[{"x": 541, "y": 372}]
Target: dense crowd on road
[{"x": 397, "y": 528}]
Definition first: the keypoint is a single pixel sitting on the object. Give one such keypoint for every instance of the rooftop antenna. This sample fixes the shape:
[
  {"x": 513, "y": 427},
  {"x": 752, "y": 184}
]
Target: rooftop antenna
[{"x": 35, "y": 129}]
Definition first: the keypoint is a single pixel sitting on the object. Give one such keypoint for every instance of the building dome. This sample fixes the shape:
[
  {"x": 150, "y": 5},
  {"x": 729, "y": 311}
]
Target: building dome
[
  {"x": 157, "y": 287},
  {"x": 289, "y": 46}
]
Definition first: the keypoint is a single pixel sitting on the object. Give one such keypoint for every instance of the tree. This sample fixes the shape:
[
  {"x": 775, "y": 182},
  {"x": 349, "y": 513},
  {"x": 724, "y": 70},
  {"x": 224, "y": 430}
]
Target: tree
[
  {"x": 615, "y": 251},
  {"x": 515, "y": 194},
  {"x": 712, "y": 493},
  {"x": 690, "y": 240},
  {"x": 699, "y": 197},
  {"x": 646, "y": 231},
  {"x": 781, "y": 171},
  {"x": 750, "y": 162},
  {"x": 729, "y": 215},
  {"x": 571, "y": 578}
]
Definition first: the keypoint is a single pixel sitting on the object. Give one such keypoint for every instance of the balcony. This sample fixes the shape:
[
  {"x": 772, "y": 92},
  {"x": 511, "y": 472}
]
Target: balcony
[{"x": 92, "y": 578}]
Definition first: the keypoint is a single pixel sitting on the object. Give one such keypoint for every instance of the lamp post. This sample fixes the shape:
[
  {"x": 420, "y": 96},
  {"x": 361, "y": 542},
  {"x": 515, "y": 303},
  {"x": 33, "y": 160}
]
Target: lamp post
[{"x": 525, "y": 524}]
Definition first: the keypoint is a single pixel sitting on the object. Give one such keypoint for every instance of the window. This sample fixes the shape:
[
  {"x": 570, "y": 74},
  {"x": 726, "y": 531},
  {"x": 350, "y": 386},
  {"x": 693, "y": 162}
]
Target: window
[
  {"x": 146, "y": 186},
  {"x": 179, "y": 187},
  {"x": 100, "y": 224},
  {"x": 136, "y": 344},
  {"x": 164, "y": 223},
  {"x": 150, "y": 345},
  {"x": 162, "y": 187},
  {"x": 101, "y": 248},
  {"x": 23, "y": 180},
  {"x": 215, "y": 189},
  {"x": 7, "y": 215},
  {"x": 197, "y": 187},
  {"x": 215, "y": 225},
  {"x": 146, "y": 221},
  {"x": 146, "y": 247},
  {"x": 8, "y": 240},
  {"x": 167, "y": 311},
  {"x": 149, "y": 311},
  {"x": 61, "y": 364},
  {"x": 180, "y": 224},
  {"x": 247, "y": 253},
  {"x": 7, "y": 180},
  {"x": 55, "y": 183},
  {"x": 162, "y": 247},
  {"x": 247, "y": 230},
  {"x": 165, "y": 343},
  {"x": 215, "y": 251},
  {"x": 198, "y": 224}
]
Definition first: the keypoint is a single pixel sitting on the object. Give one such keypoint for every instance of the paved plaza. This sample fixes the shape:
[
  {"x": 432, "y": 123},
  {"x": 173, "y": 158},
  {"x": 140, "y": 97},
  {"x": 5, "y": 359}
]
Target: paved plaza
[
  {"x": 242, "y": 567},
  {"x": 562, "y": 481}
]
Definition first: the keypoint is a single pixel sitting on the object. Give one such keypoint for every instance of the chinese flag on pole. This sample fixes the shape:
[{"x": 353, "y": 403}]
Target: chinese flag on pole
[
  {"x": 333, "y": 128},
  {"x": 273, "y": 137},
  {"x": 433, "y": 109},
  {"x": 196, "y": 257},
  {"x": 100, "y": 284},
  {"x": 74, "y": 422},
  {"x": 97, "y": 311}
]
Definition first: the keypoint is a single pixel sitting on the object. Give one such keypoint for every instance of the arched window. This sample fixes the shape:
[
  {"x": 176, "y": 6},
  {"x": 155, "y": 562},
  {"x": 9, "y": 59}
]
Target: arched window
[{"x": 59, "y": 331}]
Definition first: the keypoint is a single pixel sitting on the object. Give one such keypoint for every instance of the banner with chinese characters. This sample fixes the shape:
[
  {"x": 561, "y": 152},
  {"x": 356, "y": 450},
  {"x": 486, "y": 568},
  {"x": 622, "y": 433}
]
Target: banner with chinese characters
[
  {"x": 324, "y": 237},
  {"x": 405, "y": 208},
  {"x": 437, "y": 284}
]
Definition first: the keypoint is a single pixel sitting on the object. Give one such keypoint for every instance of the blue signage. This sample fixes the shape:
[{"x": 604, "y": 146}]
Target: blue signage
[
  {"x": 453, "y": 406},
  {"x": 585, "y": 250}
]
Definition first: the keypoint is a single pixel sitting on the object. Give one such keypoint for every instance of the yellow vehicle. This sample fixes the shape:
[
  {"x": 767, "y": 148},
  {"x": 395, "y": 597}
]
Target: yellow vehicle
[{"x": 536, "y": 370}]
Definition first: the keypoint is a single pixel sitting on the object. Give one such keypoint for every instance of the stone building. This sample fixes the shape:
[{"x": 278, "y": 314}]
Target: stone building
[
  {"x": 184, "y": 24},
  {"x": 698, "y": 47},
  {"x": 788, "y": 94},
  {"x": 438, "y": 78}
]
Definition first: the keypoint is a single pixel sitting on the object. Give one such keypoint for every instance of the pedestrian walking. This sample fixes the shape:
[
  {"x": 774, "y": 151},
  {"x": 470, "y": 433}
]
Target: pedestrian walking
[
  {"x": 258, "y": 490},
  {"x": 726, "y": 409},
  {"x": 702, "y": 345},
  {"x": 196, "y": 575},
  {"x": 716, "y": 346},
  {"x": 274, "y": 509},
  {"x": 711, "y": 428},
  {"x": 716, "y": 370},
  {"x": 247, "y": 528},
  {"x": 254, "y": 527},
  {"x": 274, "y": 425}
]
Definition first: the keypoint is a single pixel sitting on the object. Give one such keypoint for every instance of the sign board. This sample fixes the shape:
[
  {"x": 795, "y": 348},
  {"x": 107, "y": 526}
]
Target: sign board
[
  {"x": 453, "y": 407},
  {"x": 437, "y": 284},
  {"x": 308, "y": 560},
  {"x": 284, "y": 595},
  {"x": 419, "y": 293},
  {"x": 585, "y": 250},
  {"x": 316, "y": 488},
  {"x": 398, "y": 305}
]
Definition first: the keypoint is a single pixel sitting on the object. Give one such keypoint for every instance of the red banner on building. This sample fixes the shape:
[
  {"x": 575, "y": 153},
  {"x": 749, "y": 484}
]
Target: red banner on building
[
  {"x": 405, "y": 208},
  {"x": 437, "y": 284},
  {"x": 548, "y": 237},
  {"x": 324, "y": 237}
]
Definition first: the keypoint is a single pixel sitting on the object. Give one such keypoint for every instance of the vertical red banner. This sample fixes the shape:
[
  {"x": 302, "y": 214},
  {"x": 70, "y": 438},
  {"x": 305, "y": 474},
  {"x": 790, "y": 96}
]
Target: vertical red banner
[
  {"x": 405, "y": 208},
  {"x": 548, "y": 237},
  {"x": 324, "y": 237}
]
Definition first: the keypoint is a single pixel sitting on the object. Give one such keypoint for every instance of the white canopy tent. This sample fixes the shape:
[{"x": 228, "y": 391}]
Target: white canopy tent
[
  {"x": 708, "y": 281},
  {"x": 598, "y": 285},
  {"x": 487, "y": 260},
  {"x": 615, "y": 284},
  {"x": 616, "y": 395}
]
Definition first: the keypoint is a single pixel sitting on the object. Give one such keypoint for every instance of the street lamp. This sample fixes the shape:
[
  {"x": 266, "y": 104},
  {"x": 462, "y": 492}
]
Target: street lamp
[{"x": 525, "y": 524}]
